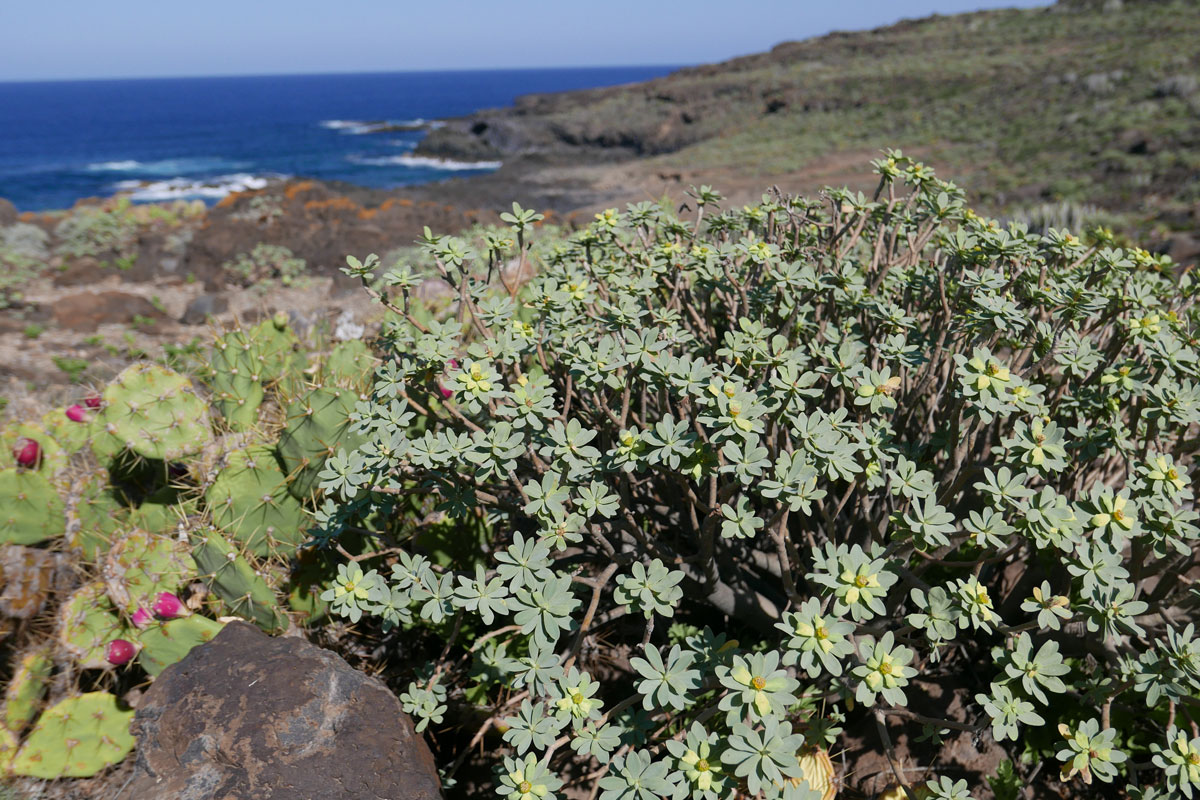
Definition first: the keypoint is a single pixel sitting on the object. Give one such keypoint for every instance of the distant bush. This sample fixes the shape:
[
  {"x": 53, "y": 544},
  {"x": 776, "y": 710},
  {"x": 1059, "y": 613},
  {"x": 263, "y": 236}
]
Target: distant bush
[
  {"x": 266, "y": 262},
  {"x": 99, "y": 231},
  {"x": 742, "y": 482}
]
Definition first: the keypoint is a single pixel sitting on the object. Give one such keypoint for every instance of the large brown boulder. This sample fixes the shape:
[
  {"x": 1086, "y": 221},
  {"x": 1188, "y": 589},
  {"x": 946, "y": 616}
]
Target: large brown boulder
[
  {"x": 89, "y": 310},
  {"x": 251, "y": 717}
]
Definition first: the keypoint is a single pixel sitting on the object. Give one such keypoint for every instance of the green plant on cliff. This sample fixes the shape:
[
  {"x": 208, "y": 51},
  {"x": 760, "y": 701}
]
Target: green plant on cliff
[
  {"x": 786, "y": 465},
  {"x": 264, "y": 263}
]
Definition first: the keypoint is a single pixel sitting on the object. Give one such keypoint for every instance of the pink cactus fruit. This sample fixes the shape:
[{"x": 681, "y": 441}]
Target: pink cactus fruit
[
  {"x": 120, "y": 652},
  {"x": 92, "y": 402},
  {"x": 76, "y": 413},
  {"x": 27, "y": 452},
  {"x": 448, "y": 393},
  {"x": 168, "y": 606},
  {"x": 142, "y": 618}
]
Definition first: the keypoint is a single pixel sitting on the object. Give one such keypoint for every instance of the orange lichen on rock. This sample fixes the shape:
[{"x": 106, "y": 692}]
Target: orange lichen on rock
[
  {"x": 299, "y": 187},
  {"x": 338, "y": 203}
]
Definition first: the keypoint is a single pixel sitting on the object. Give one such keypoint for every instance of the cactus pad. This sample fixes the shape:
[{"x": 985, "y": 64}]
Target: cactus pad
[
  {"x": 23, "y": 697},
  {"x": 276, "y": 345},
  {"x": 163, "y": 518},
  {"x": 249, "y": 500},
  {"x": 94, "y": 515},
  {"x": 242, "y": 589},
  {"x": 167, "y": 643},
  {"x": 72, "y": 436},
  {"x": 141, "y": 565},
  {"x": 350, "y": 363},
  {"x": 27, "y": 576},
  {"x": 154, "y": 412},
  {"x": 87, "y": 623},
  {"x": 236, "y": 364},
  {"x": 30, "y": 509},
  {"x": 318, "y": 423},
  {"x": 76, "y": 738}
]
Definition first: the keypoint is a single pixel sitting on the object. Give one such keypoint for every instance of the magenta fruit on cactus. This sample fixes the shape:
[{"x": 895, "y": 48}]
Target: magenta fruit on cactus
[
  {"x": 142, "y": 618},
  {"x": 76, "y": 413},
  {"x": 447, "y": 393},
  {"x": 168, "y": 606},
  {"x": 27, "y": 452},
  {"x": 120, "y": 652},
  {"x": 92, "y": 402}
]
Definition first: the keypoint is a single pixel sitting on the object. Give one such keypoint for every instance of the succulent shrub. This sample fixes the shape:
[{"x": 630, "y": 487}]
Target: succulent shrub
[
  {"x": 266, "y": 262},
  {"x": 786, "y": 462}
]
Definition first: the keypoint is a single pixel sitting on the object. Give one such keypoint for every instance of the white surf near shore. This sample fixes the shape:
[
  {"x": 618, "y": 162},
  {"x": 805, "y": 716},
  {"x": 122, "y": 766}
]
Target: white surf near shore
[
  {"x": 355, "y": 127},
  {"x": 169, "y": 167},
  {"x": 423, "y": 162},
  {"x": 193, "y": 188}
]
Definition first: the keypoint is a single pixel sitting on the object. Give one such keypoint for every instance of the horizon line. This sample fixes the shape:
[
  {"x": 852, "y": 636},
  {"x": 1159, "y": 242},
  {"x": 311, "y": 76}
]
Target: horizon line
[{"x": 432, "y": 70}]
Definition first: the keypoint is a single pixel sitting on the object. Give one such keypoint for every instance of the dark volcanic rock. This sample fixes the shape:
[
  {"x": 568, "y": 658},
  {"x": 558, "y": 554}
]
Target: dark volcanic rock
[
  {"x": 87, "y": 311},
  {"x": 204, "y": 306},
  {"x": 250, "y": 717}
]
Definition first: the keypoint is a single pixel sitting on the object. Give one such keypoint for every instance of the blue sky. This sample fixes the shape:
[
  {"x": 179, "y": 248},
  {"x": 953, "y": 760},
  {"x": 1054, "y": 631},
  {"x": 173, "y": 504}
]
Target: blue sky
[{"x": 143, "y": 38}]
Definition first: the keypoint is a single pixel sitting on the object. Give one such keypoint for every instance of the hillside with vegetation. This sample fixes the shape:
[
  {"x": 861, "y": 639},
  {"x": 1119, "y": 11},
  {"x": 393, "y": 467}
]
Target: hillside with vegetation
[{"x": 1072, "y": 102}]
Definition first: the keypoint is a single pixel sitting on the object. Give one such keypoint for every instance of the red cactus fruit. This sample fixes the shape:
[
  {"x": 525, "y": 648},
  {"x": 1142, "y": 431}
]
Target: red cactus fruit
[
  {"x": 93, "y": 402},
  {"x": 120, "y": 652},
  {"x": 142, "y": 618},
  {"x": 27, "y": 452},
  {"x": 168, "y": 606},
  {"x": 76, "y": 413}
]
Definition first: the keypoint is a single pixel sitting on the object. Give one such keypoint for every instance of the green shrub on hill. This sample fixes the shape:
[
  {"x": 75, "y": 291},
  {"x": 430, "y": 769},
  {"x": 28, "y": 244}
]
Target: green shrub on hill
[{"x": 754, "y": 478}]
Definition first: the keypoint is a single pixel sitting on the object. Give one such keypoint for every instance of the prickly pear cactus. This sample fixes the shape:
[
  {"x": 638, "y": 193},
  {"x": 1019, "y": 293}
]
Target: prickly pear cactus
[
  {"x": 76, "y": 738},
  {"x": 154, "y": 412},
  {"x": 242, "y": 589},
  {"x": 94, "y": 515},
  {"x": 30, "y": 509},
  {"x": 318, "y": 423},
  {"x": 27, "y": 576},
  {"x": 249, "y": 499},
  {"x": 141, "y": 565},
  {"x": 87, "y": 622},
  {"x": 8, "y": 748},
  {"x": 278, "y": 348},
  {"x": 236, "y": 364},
  {"x": 350, "y": 363},
  {"x": 163, "y": 645},
  {"x": 163, "y": 518},
  {"x": 23, "y": 696},
  {"x": 73, "y": 435}
]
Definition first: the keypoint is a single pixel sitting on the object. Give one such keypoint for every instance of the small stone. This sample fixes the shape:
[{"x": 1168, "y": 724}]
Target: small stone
[{"x": 203, "y": 307}]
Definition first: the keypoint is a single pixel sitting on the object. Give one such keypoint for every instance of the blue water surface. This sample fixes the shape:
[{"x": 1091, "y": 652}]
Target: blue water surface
[{"x": 202, "y": 137}]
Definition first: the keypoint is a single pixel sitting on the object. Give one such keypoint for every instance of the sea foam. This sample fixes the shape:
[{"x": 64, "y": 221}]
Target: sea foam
[
  {"x": 423, "y": 162},
  {"x": 186, "y": 188},
  {"x": 356, "y": 127},
  {"x": 169, "y": 166}
]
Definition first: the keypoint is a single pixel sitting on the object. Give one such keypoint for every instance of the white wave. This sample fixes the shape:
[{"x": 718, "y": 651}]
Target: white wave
[
  {"x": 423, "y": 162},
  {"x": 169, "y": 166},
  {"x": 187, "y": 189},
  {"x": 356, "y": 127},
  {"x": 114, "y": 166}
]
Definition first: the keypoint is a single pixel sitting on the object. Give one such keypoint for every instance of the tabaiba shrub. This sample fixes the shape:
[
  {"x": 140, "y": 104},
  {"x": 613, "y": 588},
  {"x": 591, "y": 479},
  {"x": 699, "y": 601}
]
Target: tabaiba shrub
[{"x": 785, "y": 463}]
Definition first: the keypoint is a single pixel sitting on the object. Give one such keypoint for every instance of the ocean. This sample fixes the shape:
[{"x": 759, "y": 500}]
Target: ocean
[{"x": 168, "y": 138}]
